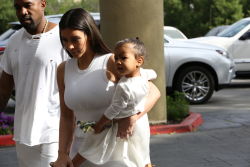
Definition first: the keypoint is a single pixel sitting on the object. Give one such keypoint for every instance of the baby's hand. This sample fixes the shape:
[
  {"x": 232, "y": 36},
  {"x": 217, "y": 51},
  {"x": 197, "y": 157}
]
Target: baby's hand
[
  {"x": 98, "y": 128},
  {"x": 101, "y": 124}
]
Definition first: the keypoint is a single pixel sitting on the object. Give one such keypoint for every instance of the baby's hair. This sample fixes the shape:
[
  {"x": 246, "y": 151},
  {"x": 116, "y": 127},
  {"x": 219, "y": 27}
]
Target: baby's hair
[{"x": 139, "y": 47}]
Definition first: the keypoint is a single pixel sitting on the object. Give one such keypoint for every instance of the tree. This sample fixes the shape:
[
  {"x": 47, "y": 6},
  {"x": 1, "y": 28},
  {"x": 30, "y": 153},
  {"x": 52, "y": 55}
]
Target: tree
[
  {"x": 196, "y": 17},
  {"x": 91, "y": 5},
  {"x": 223, "y": 12},
  {"x": 61, "y": 6},
  {"x": 7, "y": 14},
  {"x": 246, "y": 9}
]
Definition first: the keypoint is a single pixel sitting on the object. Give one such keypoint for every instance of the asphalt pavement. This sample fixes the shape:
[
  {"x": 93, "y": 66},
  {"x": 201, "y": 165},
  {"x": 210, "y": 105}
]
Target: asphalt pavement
[{"x": 223, "y": 140}]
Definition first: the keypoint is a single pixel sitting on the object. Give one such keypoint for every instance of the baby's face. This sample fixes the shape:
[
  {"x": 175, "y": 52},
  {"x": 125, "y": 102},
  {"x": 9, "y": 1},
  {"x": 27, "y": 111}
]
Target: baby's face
[{"x": 127, "y": 63}]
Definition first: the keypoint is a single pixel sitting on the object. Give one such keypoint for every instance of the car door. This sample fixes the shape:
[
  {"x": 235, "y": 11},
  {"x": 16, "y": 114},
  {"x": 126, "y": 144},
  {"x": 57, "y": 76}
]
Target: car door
[{"x": 241, "y": 50}]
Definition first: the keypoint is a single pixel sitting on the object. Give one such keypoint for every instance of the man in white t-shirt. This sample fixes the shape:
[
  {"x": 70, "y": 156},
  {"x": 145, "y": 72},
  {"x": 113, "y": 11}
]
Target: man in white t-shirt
[{"x": 29, "y": 65}]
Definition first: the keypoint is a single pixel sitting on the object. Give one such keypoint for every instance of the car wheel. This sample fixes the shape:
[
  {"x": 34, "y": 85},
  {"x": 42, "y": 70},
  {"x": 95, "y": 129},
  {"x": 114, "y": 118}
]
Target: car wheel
[{"x": 197, "y": 84}]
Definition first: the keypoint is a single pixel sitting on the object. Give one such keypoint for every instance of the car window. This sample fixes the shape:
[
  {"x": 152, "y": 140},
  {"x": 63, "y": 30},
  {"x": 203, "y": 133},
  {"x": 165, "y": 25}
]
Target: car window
[
  {"x": 216, "y": 30},
  {"x": 234, "y": 28},
  {"x": 174, "y": 34},
  {"x": 166, "y": 39},
  {"x": 6, "y": 34}
]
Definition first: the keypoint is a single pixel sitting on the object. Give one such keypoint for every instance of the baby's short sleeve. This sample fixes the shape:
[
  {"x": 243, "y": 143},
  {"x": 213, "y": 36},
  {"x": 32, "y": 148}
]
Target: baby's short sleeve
[{"x": 148, "y": 74}]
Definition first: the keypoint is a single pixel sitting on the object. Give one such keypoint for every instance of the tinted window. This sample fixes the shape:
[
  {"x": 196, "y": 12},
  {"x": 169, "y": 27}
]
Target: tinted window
[
  {"x": 234, "y": 28},
  {"x": 173, "y": 34}
]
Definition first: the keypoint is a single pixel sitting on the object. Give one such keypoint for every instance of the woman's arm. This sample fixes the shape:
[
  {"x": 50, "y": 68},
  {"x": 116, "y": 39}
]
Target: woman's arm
[
  {"x": 152, "y": 98},
  {"x": 67, "y": 124},
  {"x": 126, "y": 125}
]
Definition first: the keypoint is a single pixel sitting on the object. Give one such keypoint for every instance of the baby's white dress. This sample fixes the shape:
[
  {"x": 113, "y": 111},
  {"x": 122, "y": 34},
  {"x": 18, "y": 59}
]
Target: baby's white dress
[{"x": 129, "y": 99}]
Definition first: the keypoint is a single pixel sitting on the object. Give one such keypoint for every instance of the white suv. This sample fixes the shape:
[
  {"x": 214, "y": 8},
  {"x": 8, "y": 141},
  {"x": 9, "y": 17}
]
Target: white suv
[
  {"x": 236, "y": 40},
  {"x": 196, "y": 69}
]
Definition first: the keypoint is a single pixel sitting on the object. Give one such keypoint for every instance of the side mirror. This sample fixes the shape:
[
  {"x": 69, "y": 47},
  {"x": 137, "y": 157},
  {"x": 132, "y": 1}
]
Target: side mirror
[{"x": 245, "y": 36}]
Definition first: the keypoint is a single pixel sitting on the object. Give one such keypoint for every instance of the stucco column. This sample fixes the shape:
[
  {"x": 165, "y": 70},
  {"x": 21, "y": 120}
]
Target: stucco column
[{"x": 144, "y": 19}]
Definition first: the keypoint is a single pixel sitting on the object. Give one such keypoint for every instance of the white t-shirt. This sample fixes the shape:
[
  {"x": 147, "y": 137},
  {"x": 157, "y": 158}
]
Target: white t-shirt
[
  {"x": 33, "y": 61},
  {"x": 130, "y": 95}
]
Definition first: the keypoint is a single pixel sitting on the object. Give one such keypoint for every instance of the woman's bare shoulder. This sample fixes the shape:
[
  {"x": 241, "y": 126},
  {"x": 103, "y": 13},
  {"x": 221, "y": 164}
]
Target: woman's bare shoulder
[
  {"x": 61, "y": 67},
  {"x": 60, "y": 71}
]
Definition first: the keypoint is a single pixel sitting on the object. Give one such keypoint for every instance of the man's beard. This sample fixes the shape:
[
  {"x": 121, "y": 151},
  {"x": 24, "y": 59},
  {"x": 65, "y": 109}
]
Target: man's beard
[{"x": 31, "y": 26}]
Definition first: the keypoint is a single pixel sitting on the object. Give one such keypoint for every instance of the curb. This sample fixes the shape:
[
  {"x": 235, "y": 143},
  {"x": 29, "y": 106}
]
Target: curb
[
  {"x": 6, "y": 140},
  {"x": 190, "y": 124}
]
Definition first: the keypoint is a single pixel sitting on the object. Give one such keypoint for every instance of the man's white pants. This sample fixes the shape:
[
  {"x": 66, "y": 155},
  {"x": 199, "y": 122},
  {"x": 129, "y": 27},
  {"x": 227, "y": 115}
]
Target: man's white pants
[{"x": 36, "y": 156}]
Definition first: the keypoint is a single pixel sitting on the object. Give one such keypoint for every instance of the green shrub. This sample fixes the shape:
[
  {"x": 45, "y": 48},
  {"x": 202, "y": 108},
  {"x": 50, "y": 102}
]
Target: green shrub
[{"x": 177, "y": 107}]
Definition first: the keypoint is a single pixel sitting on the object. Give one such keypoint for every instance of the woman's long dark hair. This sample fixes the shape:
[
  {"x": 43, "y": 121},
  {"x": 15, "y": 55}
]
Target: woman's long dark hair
[{"x": 79, "y": 19}]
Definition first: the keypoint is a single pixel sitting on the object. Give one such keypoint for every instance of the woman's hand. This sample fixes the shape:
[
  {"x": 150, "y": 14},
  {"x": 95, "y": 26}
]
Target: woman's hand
[
  {"x": 126, "y": 126},
  {"x": 63, "y": 160}
]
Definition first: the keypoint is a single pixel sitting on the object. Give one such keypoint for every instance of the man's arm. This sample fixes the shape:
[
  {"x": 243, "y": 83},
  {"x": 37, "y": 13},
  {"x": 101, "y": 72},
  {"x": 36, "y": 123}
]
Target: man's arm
[{"x": 6, "y": 87}]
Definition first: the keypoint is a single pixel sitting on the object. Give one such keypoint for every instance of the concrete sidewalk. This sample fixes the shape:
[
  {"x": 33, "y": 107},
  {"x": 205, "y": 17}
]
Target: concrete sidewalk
[
  {"x": 211, "y": 148},
  {"x": 223, "y": 140},
  {"x": 8, "y": 157}
]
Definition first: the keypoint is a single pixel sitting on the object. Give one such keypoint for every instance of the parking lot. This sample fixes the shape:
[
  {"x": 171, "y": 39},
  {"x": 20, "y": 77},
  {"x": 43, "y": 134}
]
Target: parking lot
[
  {"x": 223, "y": 140},
  {"x": 227, "y": 108}
]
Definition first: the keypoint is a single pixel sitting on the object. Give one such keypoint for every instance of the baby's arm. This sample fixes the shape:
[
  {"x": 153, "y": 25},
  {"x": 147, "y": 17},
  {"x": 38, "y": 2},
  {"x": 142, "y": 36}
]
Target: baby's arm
[
  {"x": 99, "y": 126},
  {"x": 118, "y": 105}
]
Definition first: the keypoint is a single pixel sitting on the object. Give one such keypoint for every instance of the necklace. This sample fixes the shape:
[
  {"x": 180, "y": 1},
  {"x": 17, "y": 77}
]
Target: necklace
[{"x": 45, "y": 26}]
